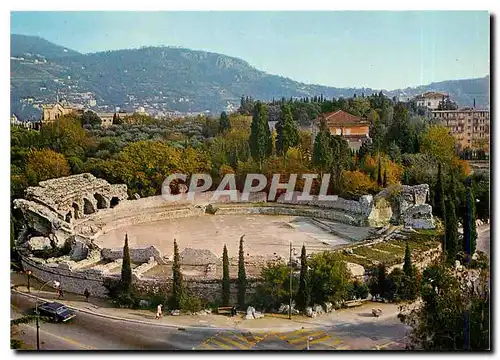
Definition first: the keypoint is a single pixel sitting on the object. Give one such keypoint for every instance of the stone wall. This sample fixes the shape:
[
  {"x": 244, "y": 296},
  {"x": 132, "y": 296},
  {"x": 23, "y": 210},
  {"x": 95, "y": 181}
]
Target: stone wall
[{"x": 137, "y": 255}]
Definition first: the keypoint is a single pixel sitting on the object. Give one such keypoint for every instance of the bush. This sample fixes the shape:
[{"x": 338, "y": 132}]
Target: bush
[
  {"x": 118, "y": 296},
  {"x": 358, "y": 290},
  {"x": 191, "y": 303}
]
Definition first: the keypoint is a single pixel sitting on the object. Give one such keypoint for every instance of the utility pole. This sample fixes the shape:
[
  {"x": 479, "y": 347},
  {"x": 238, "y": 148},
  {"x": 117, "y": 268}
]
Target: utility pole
[
  {"x": 290, "y": 307},
  {"x": 37, "y": 331}
]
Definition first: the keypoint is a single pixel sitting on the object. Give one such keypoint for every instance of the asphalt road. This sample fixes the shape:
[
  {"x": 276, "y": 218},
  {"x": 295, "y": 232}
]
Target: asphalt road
[{"x": 91, "y": 332}]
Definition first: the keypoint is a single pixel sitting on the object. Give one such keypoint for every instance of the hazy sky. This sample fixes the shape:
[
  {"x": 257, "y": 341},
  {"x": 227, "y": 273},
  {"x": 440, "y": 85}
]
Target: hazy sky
[{"x": 373, "y": 49}]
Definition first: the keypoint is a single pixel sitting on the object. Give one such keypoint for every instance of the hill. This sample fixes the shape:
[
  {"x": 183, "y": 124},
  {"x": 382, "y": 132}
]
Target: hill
[{"x": 162, "y": 78}]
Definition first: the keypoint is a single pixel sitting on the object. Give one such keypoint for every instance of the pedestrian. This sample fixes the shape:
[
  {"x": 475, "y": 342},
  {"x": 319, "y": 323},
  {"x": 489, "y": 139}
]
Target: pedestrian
[
  {"x": 61, "y": 294},
  {"x": 158, "y": 311},
  {"x": 86, "y": 293}
]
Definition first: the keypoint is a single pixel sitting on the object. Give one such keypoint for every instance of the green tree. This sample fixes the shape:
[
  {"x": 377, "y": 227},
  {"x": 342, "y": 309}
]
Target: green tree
[
  {"x": 407, "y": 265},
  {"x": 224, "y": 123},
  {"x": 126, "y": 278},
  {"x": 331, "y": 278},
  {"x": 410, "y": 288},
  {"x": 451, "y": 230},
  {"x": 377, "y": 133},
  {"x": 242, "y": 276},
  {"x": 260, "y": 140},
  {"x": 379, "y": 173},
  {"x": 322, "y": 154},
  {"x": 469, "y": 221},
  {"x": 341, "y": 155},
  {"x": 439, "y": 199},
  {"x": 394, "y": 152},
  {"x": 225, "y": 278},
  {"x": 177, "y": 284},
  {"x": 384, "y": 180},
  {"x": 287, "y": 132},
  {"x": 382, "y": 280},
  {"x": 406, "y": 177},
  {"x": 90, "y": 118},
  {"x": 304, "y": 294},
  {"x": 274, "y": 288},
  {"x": 453, "y": 315},
  {"x": 45, "y": 164}
]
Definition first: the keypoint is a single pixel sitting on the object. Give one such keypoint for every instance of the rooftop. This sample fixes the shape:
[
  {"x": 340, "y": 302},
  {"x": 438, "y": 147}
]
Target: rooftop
[{"x": 341, "y": 117}]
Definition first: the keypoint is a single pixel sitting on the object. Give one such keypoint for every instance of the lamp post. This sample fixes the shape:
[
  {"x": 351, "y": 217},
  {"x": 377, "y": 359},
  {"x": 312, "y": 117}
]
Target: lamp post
[
  {"x": 291, "y": 275},
  {"x": 56, "y": 285}
]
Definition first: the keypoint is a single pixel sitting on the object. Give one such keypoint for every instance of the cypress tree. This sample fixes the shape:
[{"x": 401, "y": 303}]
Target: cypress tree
[
  {"x": 126, "y": 278},
  {"x": 303, "y": 295},
  {"x": 379, "y": 173},
  {"x": 225, "y": 278},
  {"x": 260, "y": 140},
  {"x": 469, "y": 221},
  {"x": 382, "y": 280},
  {"x": 242, "y": 277},
  {"x": 406, "y": 178},
  {"x": 439, "y": 206},
  {"x": 286, "y": 129},
  {"x": 407, "y": 266},
  {"x": 451, "y": 229},
  {"x": 322, "y": 151},
  {"x": 177, "y": 285},
  {"x": 452, "y": 190},
  {"x": 384, "y": 181},
  {"x": 224, "y": 124}
]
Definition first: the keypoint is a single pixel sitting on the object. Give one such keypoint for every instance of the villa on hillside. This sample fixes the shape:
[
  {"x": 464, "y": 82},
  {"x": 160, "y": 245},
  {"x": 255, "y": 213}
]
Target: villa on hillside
[
  {"x": 55, "y": 111},
  {"x": 352, "y": 128},
  {"x": 431, "y": 99}
]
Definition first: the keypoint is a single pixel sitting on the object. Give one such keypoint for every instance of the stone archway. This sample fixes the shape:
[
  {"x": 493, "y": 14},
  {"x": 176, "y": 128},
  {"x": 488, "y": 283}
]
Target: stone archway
[
  {"x": 114, "y": 201},
  {"x": 101, "y": 201},
  {"x": 88, "y": 207},
  {"x": 76, "y": 210}
]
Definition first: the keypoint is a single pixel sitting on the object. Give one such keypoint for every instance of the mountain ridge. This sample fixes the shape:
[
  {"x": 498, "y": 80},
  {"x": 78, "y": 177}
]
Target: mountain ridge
[{"x": 175, "y": 78}]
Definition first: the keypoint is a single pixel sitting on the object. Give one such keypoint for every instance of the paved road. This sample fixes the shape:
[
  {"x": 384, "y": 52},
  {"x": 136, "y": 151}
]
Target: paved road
[{"x": 91, "y": 332}]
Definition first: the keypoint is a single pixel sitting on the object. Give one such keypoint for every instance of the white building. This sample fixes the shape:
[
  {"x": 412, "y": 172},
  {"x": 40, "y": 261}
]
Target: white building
[{"x": 431, "y": 99}]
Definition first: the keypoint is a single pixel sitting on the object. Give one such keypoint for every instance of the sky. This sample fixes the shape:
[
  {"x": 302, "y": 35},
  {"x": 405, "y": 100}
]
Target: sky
[{"x": 377, "y": 49}]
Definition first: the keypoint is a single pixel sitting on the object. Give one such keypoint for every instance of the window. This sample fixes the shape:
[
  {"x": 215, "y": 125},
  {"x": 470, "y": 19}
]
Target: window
[
  {"x": 338, "y": 131},
  {"x": 429, "y": 103},
  {"x": 348, "y": 131}
]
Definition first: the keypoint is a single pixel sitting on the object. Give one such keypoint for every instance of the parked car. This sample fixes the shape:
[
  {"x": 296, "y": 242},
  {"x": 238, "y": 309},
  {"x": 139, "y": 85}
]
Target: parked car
[{"x": 56, "y": 311}]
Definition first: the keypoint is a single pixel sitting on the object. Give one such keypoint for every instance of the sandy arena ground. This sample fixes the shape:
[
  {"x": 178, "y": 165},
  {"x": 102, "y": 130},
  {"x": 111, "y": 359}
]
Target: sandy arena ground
[{"x": 264, "y": 235}]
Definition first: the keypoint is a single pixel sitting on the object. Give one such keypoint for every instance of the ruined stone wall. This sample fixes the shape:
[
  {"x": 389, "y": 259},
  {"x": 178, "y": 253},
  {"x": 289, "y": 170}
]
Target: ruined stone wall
[{"x": 138, "y": 255}]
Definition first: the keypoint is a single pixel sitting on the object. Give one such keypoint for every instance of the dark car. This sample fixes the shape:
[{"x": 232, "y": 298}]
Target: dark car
[{"x": 56, "y": 311}]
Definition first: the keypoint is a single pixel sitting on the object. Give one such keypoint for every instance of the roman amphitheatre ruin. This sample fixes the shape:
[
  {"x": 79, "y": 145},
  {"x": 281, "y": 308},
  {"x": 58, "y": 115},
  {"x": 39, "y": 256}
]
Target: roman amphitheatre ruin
[{"x": 74, "y": 230}]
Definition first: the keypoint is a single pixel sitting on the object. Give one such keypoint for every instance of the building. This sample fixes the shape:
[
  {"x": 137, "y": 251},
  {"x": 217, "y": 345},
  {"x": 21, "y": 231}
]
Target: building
[
  {"x": 470, "y": 127},
  {"x": 430, "y": 99},
  {"x": 352, "y": 128},
  {"x": 53, "y": 112}
]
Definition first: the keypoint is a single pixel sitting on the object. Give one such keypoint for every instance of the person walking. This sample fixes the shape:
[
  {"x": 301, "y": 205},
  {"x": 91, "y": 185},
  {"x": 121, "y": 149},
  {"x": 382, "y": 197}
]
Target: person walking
[
  {"x": 86, "y": 293},
  {"x": 61, "y": 294},
  {"x": 158, "y": 311}
]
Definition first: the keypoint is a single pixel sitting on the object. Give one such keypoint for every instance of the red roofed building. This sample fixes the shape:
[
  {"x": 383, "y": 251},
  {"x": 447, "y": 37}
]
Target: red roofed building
[{"x": 353, "y": 128}]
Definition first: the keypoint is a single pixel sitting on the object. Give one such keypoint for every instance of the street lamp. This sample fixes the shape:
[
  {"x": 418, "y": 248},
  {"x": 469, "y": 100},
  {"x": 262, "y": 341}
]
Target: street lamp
[
  {"x": 294, "y": 251},
  {"x": 56, "y": 285}
]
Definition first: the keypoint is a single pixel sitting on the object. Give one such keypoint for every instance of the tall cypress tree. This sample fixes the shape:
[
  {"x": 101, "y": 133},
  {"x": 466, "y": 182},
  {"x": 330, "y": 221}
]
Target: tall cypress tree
[
  {"x": 382, "y": 280},
  {"x": 242, "y": 276},
  {"x": 439, "y": 205},
  {"x": 452, "y": 190},
  {"x": 224, "y": 124},
  {"x": 225, "y": 278},
  {"x": 469, "y": 221},
  {"x": 286, "y": 129},
  {"x": 304, "y": 294},
  {"x": 379, "y": 173},
  {"x": 177, "y": 285},
  {"x": 322, "y": 152},
  {"x": 126, "y": 278},
  {"x": 407, "y": 266},
  {"x": 451, "y": 229},
  {"x": 260, "y": 140},
  {"x": 406, "y": 177},
  {"x": 384, "y": 181}
]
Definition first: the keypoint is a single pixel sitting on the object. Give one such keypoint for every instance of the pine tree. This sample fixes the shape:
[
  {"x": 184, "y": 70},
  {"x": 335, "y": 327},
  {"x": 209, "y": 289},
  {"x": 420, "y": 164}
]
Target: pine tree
[
  {"x": 379, "y": 173},
  {"x": 469, "y": 221},
  {"x": 224, "y": 124},
  {"x": 286, "y": 129},
  {"x": 439, "y": 206},
  {"x": 242, "y": 277},
  {"x": 225, "y": 278},
  {"x": 177, "y": 285},
  {"x": 304, "y": 294},
  {"x": 322, "y": 152},
  {"x": 260, "y": 140},
  {"x": 126, "y": 278},
  {"x": 451, "y": 230},
  {"x": 384, "y": 181},
  {"x": 407, "y": 266}
]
